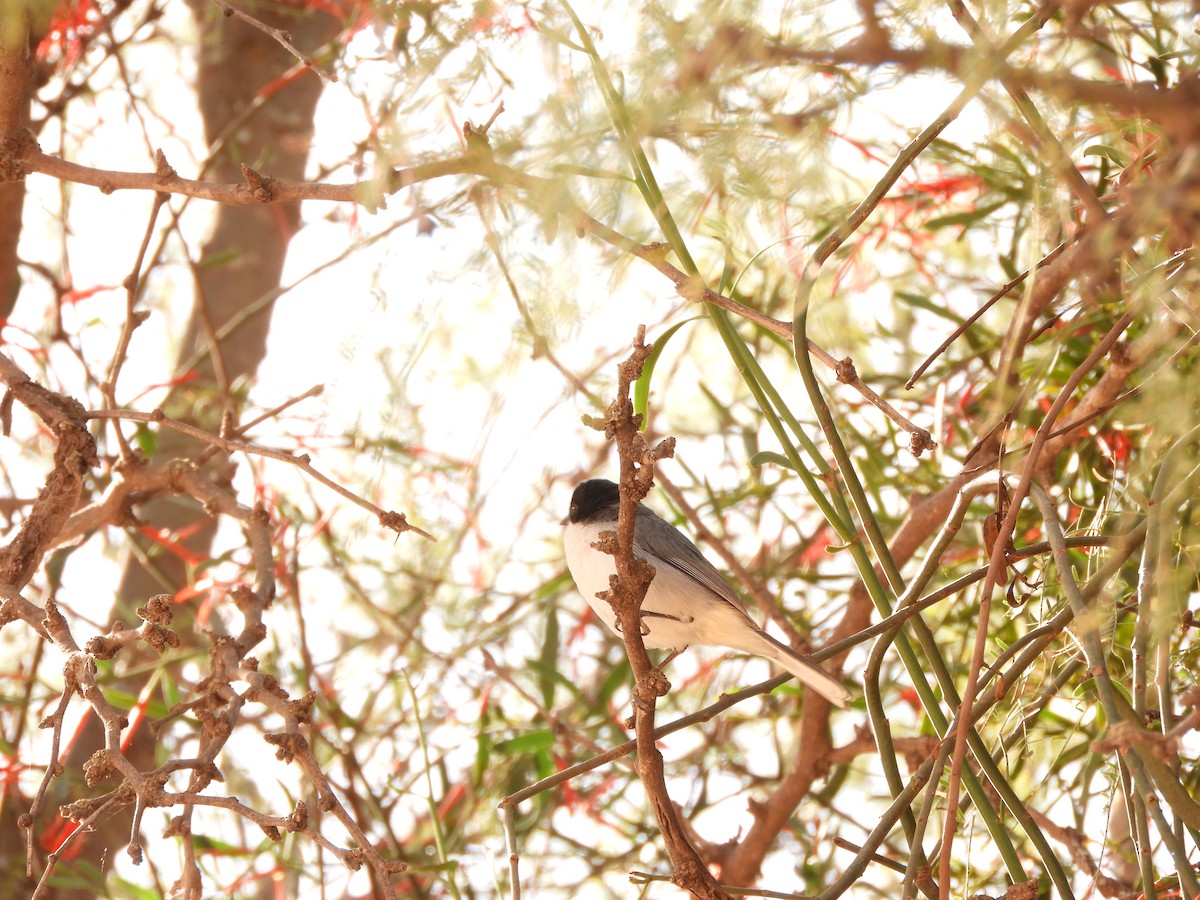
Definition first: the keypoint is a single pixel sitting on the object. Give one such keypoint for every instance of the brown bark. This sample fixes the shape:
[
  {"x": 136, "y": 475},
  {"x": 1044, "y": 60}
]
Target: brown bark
[{"x": 16, "y": 80}]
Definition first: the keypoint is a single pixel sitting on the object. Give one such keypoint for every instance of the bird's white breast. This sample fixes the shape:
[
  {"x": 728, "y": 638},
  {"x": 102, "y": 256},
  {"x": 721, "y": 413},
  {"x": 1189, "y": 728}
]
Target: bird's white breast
[
  {"x": 669, "y": 612},
  {"x": 589, "y": 567}
]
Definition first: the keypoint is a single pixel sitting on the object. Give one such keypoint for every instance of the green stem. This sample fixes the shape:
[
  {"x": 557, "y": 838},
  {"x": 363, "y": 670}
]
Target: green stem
[{"x": 439, "y": 837}]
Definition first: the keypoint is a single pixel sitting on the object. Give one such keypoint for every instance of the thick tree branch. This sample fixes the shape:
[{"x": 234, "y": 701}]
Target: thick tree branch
[{"x": 628, "y": 590}]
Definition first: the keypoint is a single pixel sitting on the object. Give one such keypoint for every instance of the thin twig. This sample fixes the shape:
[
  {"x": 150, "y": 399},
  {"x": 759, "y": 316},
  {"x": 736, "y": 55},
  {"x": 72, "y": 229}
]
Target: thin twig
[
  {"x": 508, "y": 817},
  {"x": 133, "y": 319},
  {"x": 395, "y": 521},
  {"x": 281, "y": 37},
  {"x": 975, "y": 316}
]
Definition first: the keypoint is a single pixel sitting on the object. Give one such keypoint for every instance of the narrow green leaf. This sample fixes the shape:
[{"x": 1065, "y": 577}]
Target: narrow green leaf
[
  {"x": 204, "y": 843},
  {"x": 589, "y": 172},
  {"x": 727, "y": 269},
  {"x": 920, "y": 301},
  {"x": 449, "y": 867},
  {"x": 550, "y": 673},
  {"x": 1108, "y": 152},
  {"x": 483, "y": 755},
  {"x": 549, "y": 657},
  {"x": 530, "y": 742},
  {"x": 133, "y": 891},
  {"x": 617, "y": 676},
  {"x": 770, "y": 458},
  {"x": 641, "y": 388},
  {"x": 146, "y": 439},
  {"x": 965, "y": 218}
]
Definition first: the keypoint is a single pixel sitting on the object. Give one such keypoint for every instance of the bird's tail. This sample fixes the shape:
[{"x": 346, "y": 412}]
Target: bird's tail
[{"x": 806, "y": 670}]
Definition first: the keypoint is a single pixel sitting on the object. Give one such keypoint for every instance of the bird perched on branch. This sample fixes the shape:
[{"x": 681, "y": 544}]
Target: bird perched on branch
[{"x": 688, "y": 602}]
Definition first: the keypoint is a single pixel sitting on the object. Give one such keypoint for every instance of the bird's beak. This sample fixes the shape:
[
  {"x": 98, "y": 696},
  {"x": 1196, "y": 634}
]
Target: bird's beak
[{"x": 566, "y": 520}]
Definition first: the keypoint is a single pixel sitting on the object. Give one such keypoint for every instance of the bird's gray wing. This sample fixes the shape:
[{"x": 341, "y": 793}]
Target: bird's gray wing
[{"x": 670, "y": 546}]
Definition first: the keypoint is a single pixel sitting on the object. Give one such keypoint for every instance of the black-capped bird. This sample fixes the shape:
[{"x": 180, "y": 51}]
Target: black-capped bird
[{"x": 688, "y": 601}]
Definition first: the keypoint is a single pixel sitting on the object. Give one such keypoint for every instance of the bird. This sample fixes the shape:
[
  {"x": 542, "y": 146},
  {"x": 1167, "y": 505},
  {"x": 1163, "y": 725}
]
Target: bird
[{"x": 688, "y": 601}]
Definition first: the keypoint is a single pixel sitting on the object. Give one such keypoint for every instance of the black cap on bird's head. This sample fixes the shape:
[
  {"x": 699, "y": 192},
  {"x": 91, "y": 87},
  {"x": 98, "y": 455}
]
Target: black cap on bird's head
[{"x": 596, "y": 498}]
